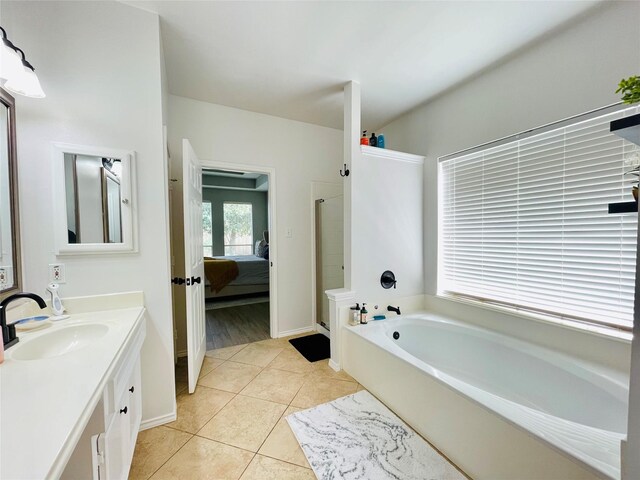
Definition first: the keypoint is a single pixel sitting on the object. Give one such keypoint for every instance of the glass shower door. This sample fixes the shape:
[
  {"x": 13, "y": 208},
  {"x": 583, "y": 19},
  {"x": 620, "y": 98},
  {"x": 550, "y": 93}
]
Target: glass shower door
[{"x": 329, "y": 253}]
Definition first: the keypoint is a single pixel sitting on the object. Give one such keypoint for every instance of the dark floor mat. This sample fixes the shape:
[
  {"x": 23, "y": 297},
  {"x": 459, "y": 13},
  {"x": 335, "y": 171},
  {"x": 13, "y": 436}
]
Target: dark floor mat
[{"x": 313, "y": 347}]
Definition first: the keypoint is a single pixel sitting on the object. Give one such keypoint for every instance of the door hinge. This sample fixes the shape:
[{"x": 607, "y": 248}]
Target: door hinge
[{"x": 188, "y": 281}]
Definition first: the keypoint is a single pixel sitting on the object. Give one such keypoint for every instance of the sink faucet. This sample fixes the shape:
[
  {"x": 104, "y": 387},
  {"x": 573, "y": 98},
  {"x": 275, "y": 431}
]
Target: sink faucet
[
  {"x": 394, "y": 309},
  {"x": 9, "y": 336}
]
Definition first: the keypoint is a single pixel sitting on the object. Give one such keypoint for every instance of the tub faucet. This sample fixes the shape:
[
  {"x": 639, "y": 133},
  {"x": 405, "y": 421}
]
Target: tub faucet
[
  {"x": 9, "y": 337},
  {"x": 393, "y": 309}
]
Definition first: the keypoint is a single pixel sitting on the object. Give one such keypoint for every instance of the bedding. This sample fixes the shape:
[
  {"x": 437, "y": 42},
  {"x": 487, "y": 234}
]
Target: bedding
[
  {"x": 220, "y": 272},
  {"x": 240, "y": 270},
  {"x": 253, "y": 270}
]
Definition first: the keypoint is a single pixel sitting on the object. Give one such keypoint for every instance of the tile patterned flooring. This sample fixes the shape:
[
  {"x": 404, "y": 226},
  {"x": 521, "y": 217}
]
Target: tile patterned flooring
[{"x": 233, "y": 427}]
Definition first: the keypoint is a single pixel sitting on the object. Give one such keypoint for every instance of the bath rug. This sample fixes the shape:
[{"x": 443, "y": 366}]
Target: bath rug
[
  {"x": 357, "y": 438},
  {"x": 312, "y": 347}
]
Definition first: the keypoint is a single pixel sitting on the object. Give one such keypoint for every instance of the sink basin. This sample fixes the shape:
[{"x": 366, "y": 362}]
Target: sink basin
[{"x": 59, "y": 342}]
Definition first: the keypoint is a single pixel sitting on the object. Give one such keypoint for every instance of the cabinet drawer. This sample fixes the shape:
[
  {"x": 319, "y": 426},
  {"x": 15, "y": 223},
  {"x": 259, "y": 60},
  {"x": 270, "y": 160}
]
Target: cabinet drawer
[{"x": 121, "y": 380}]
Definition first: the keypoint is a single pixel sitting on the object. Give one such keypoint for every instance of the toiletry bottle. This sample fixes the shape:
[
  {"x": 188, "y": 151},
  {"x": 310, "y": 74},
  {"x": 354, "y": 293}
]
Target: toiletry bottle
[
  {"x": 355, "y": 315},
  {"x": 373, "y": 141},
  {"x": 364, "y": 140},
  {"x": 380, "y": 140},
  {"x": 363, "y": 314}
]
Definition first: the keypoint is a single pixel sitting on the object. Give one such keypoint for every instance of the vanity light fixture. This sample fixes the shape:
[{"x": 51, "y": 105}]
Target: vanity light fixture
[{"x": 17, "y": 74}]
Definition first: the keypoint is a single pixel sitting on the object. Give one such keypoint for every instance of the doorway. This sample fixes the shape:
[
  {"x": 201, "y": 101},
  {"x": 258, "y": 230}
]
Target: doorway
[
  {"x": 237, "y": 251},
  {"x": 245, "y": 308}
]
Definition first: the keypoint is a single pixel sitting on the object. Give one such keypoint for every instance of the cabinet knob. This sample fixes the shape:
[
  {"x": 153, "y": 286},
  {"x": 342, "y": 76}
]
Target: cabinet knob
[
  {"x": 131, "y": 389},
  {"x": 124, "y": 410}
]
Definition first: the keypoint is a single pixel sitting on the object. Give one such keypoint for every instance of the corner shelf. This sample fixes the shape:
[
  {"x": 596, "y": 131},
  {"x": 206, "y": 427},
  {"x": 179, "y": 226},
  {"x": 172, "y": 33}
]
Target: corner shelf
[
  {"x": 627, "y": 128},
  {"x": 623, "y": 207}
]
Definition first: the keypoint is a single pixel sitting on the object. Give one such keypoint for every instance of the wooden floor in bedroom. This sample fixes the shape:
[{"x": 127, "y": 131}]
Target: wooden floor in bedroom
[{"x": 237, "y": 325}]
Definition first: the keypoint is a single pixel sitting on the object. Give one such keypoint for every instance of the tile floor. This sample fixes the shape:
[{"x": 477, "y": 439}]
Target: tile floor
[{"x": 233, "y": 427}]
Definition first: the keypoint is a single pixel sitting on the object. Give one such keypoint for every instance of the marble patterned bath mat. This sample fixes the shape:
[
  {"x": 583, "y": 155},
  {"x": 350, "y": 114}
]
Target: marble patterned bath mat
[{"x": 357, "y": 438}]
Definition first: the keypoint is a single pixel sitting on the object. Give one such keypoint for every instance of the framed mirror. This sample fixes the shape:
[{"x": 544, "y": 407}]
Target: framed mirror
[
  {"x": 10, "y": 274},
  {"x": 93, "y": 196}
]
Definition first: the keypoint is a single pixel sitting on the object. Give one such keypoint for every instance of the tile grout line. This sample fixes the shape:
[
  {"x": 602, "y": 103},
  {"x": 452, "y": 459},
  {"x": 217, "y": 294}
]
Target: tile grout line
[
  {"x": 307, "y": 377},
  {"x": 171, "y": 456}
]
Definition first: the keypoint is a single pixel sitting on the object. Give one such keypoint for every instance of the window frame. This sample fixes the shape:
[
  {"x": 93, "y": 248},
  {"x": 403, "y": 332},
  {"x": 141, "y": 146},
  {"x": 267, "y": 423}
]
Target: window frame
[
  {"x": 211, "y": 236},
  {"x": 225, "y": 245}
]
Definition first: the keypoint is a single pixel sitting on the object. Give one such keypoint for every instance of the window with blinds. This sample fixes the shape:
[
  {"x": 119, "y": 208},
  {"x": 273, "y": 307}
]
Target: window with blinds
[{"x": 525, "y": 224}]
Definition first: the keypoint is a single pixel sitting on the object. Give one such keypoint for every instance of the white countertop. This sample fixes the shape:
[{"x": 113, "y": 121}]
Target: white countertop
[{"x": 45, "y": 404}]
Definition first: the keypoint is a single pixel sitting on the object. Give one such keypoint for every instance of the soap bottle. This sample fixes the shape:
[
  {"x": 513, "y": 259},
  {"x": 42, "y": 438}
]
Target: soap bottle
[
  {"x": 373, "y": 141},
  {"x": 380, "y": 140},
  {"x": 364, "y": 140},
  {"x": 363, "y": 314},
  {"x": 355, "y": 316}
]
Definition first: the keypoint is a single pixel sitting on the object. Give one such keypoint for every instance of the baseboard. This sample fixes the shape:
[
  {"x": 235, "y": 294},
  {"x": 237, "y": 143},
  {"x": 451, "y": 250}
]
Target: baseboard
[
  {"x": 296, "y": 331},
  {"x": 334, "y": 365},
  {"x": 157, "y": 421}
]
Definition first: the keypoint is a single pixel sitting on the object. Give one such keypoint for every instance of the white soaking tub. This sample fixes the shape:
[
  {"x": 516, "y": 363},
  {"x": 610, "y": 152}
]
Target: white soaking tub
[{"x": 498, "y": 407}]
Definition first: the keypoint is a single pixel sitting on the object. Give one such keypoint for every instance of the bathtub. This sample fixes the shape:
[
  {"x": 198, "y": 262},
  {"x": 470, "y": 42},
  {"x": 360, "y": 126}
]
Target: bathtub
[{"x": 498, "y": 407}]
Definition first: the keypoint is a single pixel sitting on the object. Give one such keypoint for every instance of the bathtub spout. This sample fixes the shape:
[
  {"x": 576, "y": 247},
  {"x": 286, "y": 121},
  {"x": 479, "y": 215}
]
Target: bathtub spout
[{"x": 393, "y": 309}]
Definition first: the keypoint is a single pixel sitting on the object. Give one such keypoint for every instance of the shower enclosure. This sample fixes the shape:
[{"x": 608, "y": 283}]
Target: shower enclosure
[{"x": 329, "y": 253}]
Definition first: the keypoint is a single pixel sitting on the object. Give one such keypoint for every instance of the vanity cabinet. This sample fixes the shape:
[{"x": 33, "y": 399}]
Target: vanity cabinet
[{"x": 105, "y": 449}]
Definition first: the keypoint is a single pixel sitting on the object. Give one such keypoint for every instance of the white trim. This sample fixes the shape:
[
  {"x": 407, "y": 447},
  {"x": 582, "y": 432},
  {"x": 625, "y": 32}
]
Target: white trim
[
  {"x": 392, "y": 154},
  {"x": 157, "y": 421},
  {"x": 128, "y": 211},
  {"x": 272, "y": 227},
  {"x": 340, "y": 294},
  {"x": 334, "y": 365},
  {"x": 295, "y": 331}
]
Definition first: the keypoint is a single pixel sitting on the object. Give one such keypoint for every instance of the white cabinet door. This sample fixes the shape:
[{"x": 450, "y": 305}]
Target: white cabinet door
[{"x": 116, "y": 445}]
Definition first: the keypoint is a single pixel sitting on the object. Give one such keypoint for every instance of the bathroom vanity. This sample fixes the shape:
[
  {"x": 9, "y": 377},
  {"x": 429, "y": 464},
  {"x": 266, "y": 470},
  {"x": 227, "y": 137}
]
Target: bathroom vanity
[{"x": 70, "y": 396}]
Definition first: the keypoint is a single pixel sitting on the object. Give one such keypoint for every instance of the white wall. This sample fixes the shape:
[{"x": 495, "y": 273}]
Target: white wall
[
  {"x": 99, "y": 64},
  {"x": 299, "y": 152},
  {"x": 386, "y": 226}
]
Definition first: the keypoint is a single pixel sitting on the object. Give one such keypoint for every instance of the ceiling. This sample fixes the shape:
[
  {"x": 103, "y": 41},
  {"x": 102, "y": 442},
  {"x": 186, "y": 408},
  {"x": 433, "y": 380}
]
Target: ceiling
[{"x": 292, "y": 59}]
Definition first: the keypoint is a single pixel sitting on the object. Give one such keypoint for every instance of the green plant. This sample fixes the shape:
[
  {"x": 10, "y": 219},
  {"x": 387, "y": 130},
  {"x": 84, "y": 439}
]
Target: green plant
[{"x": 630, "y": 89}]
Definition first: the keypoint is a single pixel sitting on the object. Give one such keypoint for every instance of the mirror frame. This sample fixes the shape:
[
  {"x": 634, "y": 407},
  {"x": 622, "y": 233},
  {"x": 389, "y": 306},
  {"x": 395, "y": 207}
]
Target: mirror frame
[
  {"x": 128, "y": 207},
  {"x": 10, "y": 103}
]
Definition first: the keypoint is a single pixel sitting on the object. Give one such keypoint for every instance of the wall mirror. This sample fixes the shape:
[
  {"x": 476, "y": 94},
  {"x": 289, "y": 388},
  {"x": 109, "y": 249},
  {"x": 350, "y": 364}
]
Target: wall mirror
[
  {"x": 10, "y": 275},
  {"x": 93, "y": 194}
]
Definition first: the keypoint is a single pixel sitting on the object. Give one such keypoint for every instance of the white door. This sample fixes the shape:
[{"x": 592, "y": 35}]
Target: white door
[{"x": 193, "y": 262}]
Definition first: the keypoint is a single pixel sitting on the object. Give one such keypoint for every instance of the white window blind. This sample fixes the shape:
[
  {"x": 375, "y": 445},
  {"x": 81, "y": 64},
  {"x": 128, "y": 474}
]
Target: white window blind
[{"x": 526, "y": 224}]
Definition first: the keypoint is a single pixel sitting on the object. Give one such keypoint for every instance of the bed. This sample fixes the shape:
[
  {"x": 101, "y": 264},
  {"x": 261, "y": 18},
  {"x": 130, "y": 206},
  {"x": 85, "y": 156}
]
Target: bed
[{"x": 252, "y": 277}]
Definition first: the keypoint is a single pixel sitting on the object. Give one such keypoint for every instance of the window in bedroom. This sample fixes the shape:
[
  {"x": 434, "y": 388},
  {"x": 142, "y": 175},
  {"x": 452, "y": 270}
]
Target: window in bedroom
[
  {"x": 238, "y": 228},
  {"x": 207, "y": 230},
  {"x": 525, "y": 224}
]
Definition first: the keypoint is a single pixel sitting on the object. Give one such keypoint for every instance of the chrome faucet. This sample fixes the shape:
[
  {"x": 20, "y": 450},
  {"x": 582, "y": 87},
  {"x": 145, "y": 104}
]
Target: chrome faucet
[
  {"x": 9, "y": 337},
  {"x": 393, "y": 309}
]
